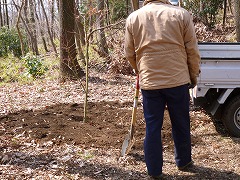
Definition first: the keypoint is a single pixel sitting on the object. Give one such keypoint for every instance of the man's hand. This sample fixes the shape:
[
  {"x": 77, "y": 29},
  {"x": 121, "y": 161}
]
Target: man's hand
[
  {"x": 191, "y": 86},
  {"x": 193, "y": 83}
]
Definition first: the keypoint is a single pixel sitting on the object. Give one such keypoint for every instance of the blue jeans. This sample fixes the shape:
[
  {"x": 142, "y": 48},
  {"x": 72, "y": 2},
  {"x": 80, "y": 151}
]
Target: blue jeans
[{"x": 154, "y": 102}]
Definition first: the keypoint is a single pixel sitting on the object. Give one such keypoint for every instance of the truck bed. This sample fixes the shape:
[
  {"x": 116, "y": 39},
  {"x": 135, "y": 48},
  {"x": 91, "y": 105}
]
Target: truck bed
[
  {"x": 220, "y": 65},
  {"x": 219, "y": 51}
]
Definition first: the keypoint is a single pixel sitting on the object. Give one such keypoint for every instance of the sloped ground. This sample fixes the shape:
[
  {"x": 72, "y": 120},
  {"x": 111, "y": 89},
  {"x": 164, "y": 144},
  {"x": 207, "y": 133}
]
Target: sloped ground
[{"x": 42, "y": 134}]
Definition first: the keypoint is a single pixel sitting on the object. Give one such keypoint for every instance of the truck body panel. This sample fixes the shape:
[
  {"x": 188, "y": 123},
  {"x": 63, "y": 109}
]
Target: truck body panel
[
  {"x": 219, "y": 82},
  {"x": 220, "y": 65}
]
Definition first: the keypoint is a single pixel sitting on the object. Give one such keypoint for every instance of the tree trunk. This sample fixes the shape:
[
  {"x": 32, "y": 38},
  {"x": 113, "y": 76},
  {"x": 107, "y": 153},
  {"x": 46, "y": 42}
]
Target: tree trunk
[
  {"x": 69, "y": 65},
  {"x": 30, "y": 35},
  {"x": 52, "y": 18},
  {"x": 33, "y": 27},
  {"x": 25, "y": 7},
  {"x": 204, "y": 17},
  {"x": 237, "y": 18},
  {"x": 80, "y": 27},
  {"x": 48, "y": 28},
  {"x": 79, "y": 46},
  {"x": 1, "y": 17},
  {"x": 135, "y": 4},
  {"x": 224, "y": 12},
  {"x": 18, "y": 29},
  {"x": 40, "y": 27},
  {"x": 91, "y": 17},
  {"x": 6, "y": 14},
  {"x": 79, "y": 35},
  {"x": 103, "y": 51}
]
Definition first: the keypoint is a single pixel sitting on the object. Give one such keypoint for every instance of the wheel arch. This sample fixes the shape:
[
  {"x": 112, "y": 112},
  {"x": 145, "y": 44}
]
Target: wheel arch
[{"x": 231, "y": 114}]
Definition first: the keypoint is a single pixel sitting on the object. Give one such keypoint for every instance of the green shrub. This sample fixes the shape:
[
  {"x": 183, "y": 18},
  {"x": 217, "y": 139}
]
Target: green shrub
[
  {"x": 205, "y": 10},
  {"x": 119, "y": 10},
  {"x": 11, "y": 70},
  {"x": 10, "y": 42},
  {"x": 34, "y": 65}
]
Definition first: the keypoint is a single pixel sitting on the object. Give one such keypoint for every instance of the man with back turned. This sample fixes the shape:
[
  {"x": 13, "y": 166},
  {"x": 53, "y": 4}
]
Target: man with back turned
[{"x": 161, "y": 46}]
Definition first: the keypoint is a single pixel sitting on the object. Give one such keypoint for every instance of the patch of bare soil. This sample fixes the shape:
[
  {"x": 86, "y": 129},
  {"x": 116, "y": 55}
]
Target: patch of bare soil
[{"x": 42, "y": 134}]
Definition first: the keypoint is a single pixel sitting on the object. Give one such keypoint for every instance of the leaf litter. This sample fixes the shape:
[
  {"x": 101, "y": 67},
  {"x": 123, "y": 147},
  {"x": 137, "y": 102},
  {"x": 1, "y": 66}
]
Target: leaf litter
[{"x": 43, "y": 136}]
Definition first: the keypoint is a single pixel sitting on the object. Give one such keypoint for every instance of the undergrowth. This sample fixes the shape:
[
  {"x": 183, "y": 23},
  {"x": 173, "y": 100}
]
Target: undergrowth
[
  {"x": 11, "y": 70},
  {"x": 27, "y": 69}
]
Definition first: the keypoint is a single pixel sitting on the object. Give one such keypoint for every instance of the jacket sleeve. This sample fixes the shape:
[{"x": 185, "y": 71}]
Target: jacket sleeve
[
  {"x": 191, "y": 46},
  {"x": 129, "y": 50}
]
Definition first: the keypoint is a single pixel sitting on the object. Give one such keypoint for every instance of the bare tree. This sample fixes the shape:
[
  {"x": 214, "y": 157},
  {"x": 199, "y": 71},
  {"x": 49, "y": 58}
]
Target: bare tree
[
  {"x": 26, "y": 23},
  {"x": 40, "y": 27},
  {"x": 17, "y": 26},
  {"x": 4, "y": 17},
  {"x": 1, "y": 17},
  {"x": 25, "y": 11},
  {"x": 33, "y": 27},
  {"x": 48, "y": 28},
  {"x": 52, "y": 10},
  {"x": 6, "y": 14},
  {"x": 69, "y": 65},
  {"x": 101, "y": 34}
]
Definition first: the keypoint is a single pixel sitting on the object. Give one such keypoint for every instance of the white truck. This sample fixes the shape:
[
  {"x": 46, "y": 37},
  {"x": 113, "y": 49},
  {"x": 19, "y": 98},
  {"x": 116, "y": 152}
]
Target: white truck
[{"x": 218, "y": 88}]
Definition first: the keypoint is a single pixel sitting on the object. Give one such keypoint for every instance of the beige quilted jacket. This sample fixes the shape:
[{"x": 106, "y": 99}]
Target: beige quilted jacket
[{"x": 161, "y": 44}]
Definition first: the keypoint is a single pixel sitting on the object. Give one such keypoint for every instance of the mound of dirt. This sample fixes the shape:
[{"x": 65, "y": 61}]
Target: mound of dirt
[{"x": 106, "y": 125}]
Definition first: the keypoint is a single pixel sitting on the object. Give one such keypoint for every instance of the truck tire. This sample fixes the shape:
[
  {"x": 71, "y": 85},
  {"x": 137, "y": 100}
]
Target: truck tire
[{"x": 231, "y": 117}]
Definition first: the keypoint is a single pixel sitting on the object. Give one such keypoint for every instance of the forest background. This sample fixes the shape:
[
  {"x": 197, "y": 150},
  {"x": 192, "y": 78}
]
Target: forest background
[{"x": 76, "y": 33}]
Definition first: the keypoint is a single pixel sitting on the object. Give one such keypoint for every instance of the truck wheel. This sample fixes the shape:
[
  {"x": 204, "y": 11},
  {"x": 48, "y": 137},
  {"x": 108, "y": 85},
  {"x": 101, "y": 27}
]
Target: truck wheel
[{"x": 231, "y": 117}]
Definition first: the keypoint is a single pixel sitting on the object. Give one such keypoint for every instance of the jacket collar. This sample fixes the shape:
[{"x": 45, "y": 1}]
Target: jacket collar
[{"x": 162, "y": 1}]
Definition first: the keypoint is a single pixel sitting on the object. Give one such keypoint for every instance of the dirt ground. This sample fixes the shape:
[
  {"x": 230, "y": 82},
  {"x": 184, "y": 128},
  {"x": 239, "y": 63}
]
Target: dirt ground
[{"x": 43, "y": 136}]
